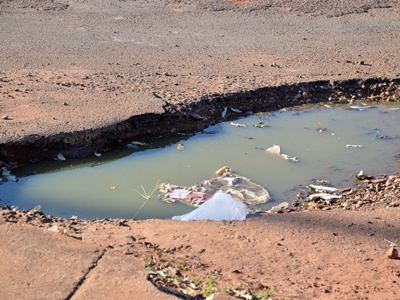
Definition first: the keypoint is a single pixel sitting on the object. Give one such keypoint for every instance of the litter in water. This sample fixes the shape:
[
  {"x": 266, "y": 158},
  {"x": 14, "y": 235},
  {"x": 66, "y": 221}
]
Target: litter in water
[
  {"x": 239, "y": 187},
  {"x": 6, "y": 174},
  {"x": 180, "y": 147},
  {"x": 135, "y": 144},
  {"x": 276, "y": 149},
  {"x": 321, "y": 188},
  {"x": 238, "y": 111},
  {"x": 238, "y": 124},
  {"x": 220, "y": 207},
  {"x": 60, "y": 157},
  {"x": 224, "y": 112},
  {"x": 362, "y": 176},
  {"x": 356, "y": 107},
  {"x": 384, "y": 137},
  {"x": 323, "y": 196},
  {"x": 261, "y": 125}
]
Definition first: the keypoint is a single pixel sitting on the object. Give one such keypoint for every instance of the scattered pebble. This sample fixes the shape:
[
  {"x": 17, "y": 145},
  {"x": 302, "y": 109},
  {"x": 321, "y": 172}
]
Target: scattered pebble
[{"x": 392, "y": 253}]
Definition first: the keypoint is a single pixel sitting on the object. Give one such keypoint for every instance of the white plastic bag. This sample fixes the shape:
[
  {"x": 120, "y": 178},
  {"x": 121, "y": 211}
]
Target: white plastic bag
[{"x": 220, "y": 207}]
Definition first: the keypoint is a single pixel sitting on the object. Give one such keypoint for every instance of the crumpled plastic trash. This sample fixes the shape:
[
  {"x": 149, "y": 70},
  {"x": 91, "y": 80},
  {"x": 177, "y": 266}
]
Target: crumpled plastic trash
[
  {"x": 276, "y": 149},
  {"x": 362, "y": 176},
  {"x": 220, "y": 207},
  {"x": 322, "y": 188},
  {"x": 6, "y": 174},
  {"x": 323, "y": 196},
  {"x": 60, "y": 157},
  {"x": 261, "y": 125},
  {"x": 239, "y": 187},
  {"x": 238, "y": 124}
]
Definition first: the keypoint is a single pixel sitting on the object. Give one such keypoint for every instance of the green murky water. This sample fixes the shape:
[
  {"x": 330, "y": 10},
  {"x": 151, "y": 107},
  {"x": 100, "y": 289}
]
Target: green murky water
[{"x": 316, "y": 136}]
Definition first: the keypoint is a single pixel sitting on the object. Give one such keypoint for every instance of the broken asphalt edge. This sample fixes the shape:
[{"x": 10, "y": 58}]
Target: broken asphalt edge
[{"x": 193, "y": 117}]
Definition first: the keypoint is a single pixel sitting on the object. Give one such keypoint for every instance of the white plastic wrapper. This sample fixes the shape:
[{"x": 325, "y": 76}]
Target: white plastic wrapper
[{"x": 220, "y": 207}]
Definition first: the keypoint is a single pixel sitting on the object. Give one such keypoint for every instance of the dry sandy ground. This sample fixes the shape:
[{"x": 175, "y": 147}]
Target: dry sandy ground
[
  {"x": 330, "y": 255},
  {"x": 96, "y": 63},
  {"x": 68, "y": 66},
  {"x": 300, "y": 255}
]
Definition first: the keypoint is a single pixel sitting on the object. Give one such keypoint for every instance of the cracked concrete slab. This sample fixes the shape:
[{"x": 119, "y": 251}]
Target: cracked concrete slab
[
  {"x": 36, "y": 264},
  {"x": 118, "y": 277}
]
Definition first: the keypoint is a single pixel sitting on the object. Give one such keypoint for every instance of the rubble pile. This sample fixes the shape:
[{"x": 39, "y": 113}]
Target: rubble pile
[{"x": 367, "y": 194}]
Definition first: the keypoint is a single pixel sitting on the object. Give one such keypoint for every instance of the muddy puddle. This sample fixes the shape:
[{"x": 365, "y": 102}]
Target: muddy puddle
[{"x": 332, "y": 144}]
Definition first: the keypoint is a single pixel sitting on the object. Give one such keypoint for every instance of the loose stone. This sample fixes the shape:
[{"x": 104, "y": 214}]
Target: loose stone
[{"x": 392, "y": 253}]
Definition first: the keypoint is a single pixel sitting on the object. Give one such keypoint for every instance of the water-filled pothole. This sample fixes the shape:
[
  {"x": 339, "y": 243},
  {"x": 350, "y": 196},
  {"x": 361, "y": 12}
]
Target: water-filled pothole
[{"x": 333, "y": 144}]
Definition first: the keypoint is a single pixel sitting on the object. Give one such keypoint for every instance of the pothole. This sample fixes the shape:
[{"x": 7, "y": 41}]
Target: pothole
[{"x": 331, "y": 141}]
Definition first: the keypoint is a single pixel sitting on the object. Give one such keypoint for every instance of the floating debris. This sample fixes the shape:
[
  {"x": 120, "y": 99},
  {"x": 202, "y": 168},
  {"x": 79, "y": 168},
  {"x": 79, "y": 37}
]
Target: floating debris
[
  {"x": 321, "y": 129},
  {"x": 131, "y": 146},
  {"x": 324, "y": 196},
  {"x": 136, "y": 144},
  {"x": 354, "y": 107},
  {"x": 239, "y": 187},
  {"x": 362, "y": 176},
  {"x": 238, "y": 111},
  {"x": 261, "y": 125},
  {"x": 353, "y": 146},
  {"x": 220, "y": 207},
  {"x": 384, "y": 137},
  {"x": 238, "y": 124},
  {"x": 97, "y": 154},
  {"x": 276, "y": 149},
  {"x": 224, "y": 112},
  {"x": 180, "y": 147},
  {"x": 292, "y": 159},
  {"x": 321, "y": 188},
  {"x": 60, "y": 157},
  {"x": 6, "y": 174}
]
